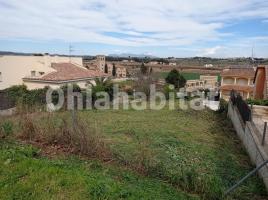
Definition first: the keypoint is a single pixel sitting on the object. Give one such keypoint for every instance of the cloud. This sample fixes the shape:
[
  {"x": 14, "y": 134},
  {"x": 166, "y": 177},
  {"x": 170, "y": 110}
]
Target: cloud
[
  {"x": 210, "y": 52},
  {"x": 129, "y": 23}
]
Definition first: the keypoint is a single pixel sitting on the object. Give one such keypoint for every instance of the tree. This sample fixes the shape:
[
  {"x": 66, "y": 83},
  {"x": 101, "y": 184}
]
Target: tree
[
  {"x": 176, "y": 79},
  {"x": 106, "y": 69},
  {"x": 143, "y": 84},
  {"x": 114, "y": 70},
  {"x": 101, "y": 85},
  {"x": 144, "y": 69}
]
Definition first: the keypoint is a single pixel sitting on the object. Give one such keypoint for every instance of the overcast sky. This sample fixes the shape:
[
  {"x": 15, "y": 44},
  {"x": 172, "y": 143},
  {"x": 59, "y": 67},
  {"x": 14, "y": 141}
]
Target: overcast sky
[{"x": 180, "y": 28}]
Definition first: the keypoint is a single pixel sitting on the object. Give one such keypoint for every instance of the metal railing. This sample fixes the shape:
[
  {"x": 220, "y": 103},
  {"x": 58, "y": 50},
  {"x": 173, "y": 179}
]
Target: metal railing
[{"x": 231, "y": 189}]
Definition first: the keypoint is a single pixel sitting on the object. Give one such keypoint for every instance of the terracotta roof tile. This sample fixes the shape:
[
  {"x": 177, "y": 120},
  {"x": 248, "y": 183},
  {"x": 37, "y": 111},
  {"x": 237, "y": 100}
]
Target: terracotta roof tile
[
  {"x": 68, "y": 71},
  {"x": 245, "y": 88},
  {"x": 238, "y": 72}
]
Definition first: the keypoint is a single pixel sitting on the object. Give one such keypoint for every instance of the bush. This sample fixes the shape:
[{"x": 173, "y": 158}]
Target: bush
[
  {"x": 27, "y": 99},
  {"x": 101, "y": 85},
  {"x": 16, "y": 92},
  {"x": 59, "y": 130},
  {"x": 168, "y": 89},
  {"x": 28, "y": 128},
  {"x": 76, "y": 88},
  {"x": 223, "y": 107},
  {"x": 6, "y": 128},
  {"x": 260, "y": 102}
]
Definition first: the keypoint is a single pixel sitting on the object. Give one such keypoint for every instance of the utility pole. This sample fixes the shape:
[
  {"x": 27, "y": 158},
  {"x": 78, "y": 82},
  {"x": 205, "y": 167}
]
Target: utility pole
[
  {"x": 71, "y": 50},
  {"x": 252, "y": 55},
  {"x": 73, "y": 111}
]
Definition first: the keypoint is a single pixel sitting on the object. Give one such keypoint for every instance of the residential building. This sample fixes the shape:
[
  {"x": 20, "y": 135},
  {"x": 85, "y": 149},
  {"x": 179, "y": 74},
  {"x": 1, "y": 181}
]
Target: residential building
[
  {"x": 238, "y": 79},
  {"x": 209, "y": 81},
  {"x": 208, "y": 65},
  {"x": 204, "y": 82},
  {"x": 110, "y": 68},
  {"x": 261, "y": 83},
  {"x": 153, "y": 63},
  {"x": 63, "y": 73},
  {"x": 14, "y": 68},
  {"x": 172, "y": 64},
  {"x": 97, "y": 64},
  {"x": 89, "y": 63},
  {"x": 194, "y": 85},
  {"x": 121, "y": 72}
]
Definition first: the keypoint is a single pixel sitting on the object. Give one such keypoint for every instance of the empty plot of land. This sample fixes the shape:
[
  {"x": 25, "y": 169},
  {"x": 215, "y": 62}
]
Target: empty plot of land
[{"x": 189, "y": 154}]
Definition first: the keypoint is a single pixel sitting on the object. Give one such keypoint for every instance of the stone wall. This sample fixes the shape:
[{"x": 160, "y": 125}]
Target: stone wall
[{"x": 250, "y": 137}]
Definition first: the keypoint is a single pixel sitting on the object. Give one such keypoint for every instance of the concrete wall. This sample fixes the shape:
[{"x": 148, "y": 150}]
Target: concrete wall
[
  {"x": 39, "y": 85},
  {"x": 250, "y": 138},
  {"x": 14, "y": 68},
  {"x": 7, "y": 112}
]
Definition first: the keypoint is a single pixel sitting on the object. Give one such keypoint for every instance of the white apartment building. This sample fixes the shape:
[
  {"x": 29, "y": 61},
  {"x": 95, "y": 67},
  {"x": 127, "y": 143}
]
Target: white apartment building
[{"x": 33, "y": 71}]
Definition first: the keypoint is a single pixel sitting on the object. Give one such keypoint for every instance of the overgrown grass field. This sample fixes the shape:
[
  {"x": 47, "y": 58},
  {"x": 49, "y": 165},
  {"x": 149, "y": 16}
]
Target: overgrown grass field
[{"x": 154, "y": 155}]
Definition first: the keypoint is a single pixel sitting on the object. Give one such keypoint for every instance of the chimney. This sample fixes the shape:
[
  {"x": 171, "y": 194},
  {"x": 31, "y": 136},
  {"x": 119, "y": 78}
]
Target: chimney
[{"x": 47, "y": 60}]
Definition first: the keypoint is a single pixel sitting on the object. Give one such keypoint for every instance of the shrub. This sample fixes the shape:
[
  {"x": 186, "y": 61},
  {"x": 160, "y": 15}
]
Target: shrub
[
  {"x": 16, "y": 92},
  {"x": 168, "y": 89},
  {"x": 260, "y": 102},
  {"x": 128, "y": 90},
  {"x": 28, "y": 128},
  {"x": 76, "y": 88},
  {"x": 223, "y": 107},
  {"x": 7, "y": 128},
  {"x": 101, "y": 85},
  {"x": 59, "y": 130},
  {"x": 143, "y": 84},
  {"x": 27, "y": 99}
]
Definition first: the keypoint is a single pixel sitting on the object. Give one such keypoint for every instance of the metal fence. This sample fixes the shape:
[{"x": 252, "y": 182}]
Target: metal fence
[{"x": 241, "y": 105}]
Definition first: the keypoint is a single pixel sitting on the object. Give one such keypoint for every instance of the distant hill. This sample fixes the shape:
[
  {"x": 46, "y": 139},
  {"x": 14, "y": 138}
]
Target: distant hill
[
  {"x": 194, "y": 61},
  {"x": 8, "y": 53},
  {"x": 4, "y": 53},
  {"x": 127, "y": 55}
]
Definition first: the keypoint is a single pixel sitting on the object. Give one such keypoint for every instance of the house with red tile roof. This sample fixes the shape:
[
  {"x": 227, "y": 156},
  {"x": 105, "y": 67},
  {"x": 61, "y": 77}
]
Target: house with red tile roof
[
  {"x": 14, "y": 68},
  {"x": 63, "y": 73},
  {"x": 238, "y": 79}
]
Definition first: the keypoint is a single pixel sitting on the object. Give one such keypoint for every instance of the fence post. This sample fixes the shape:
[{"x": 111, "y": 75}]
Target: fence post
[
  {"x": 251, "y": 112},
  {"x": 264, "y": 133}
]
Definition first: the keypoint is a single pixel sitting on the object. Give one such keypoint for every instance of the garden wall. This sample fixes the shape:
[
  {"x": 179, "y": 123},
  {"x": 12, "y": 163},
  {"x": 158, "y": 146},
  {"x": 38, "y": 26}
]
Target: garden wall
[
  {"x": 248, "y": 134},
  {"x": 6, "y": 104}
]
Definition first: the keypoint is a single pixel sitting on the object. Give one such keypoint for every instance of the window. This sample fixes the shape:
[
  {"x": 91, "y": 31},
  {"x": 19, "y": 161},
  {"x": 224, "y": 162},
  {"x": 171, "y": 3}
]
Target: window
[
  {"x": 41, "y": 73},
  {"x": 32, "y": 73},
  {"x": 1, "y": 77}
]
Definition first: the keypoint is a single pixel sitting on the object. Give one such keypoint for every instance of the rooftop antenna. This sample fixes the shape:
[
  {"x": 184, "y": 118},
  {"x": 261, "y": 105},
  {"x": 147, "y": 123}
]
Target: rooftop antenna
[{"x": 71, "y": 50}]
